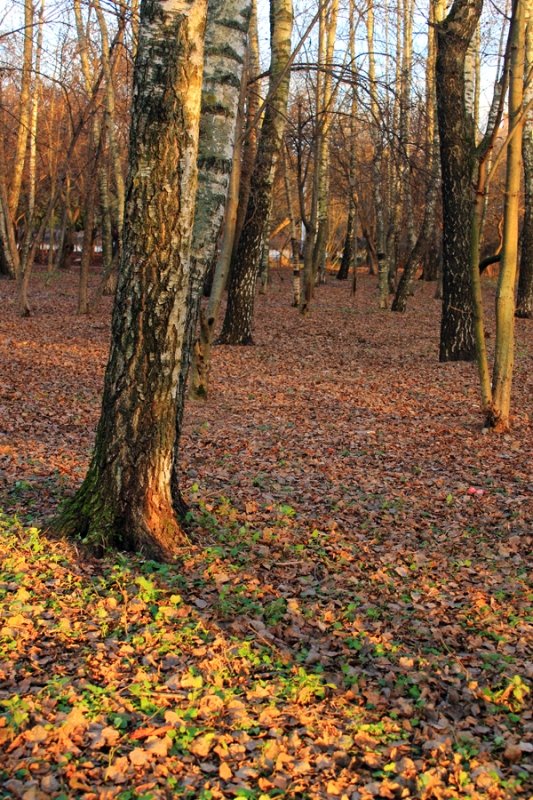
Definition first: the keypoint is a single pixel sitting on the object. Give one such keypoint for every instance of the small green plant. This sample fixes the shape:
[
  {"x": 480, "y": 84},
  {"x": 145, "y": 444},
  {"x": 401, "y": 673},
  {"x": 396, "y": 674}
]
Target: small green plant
[{"x": 16, "y": 711}]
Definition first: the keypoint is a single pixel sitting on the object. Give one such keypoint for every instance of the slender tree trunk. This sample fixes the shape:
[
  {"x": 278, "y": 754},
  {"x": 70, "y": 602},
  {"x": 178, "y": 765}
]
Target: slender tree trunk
[
  {"x": 237, "y": 328},
  {"x": 126, "y": 500},
  {"x": 325, "y": 116},
  {"x": 252, "y": 124},
  {"x": 381, "y": 238},
  {"x": 505, "y": 297},
  {"x": 524, "y": 303},
  {"x": 458, "y": 162},
  {"x": 110, "y": 122},
  {"x": 24, "y": 109},
  {"x": 87, "y": 248},
  {"x": 28, "y": 243},
  {"x": 295, "y": 237}
]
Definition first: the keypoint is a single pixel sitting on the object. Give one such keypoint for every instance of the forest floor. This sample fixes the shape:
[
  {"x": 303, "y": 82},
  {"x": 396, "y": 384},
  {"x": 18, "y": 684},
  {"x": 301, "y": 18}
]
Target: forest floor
[{"x": 351, "y": 619}]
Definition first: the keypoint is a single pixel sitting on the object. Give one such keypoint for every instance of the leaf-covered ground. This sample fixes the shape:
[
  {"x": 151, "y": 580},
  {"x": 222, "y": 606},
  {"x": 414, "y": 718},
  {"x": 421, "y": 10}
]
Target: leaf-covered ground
[{"x": 352, "y": 618}]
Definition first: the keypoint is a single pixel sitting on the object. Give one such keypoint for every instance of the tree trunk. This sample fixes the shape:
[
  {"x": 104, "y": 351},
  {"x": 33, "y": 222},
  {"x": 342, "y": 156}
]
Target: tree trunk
[
  {"x": 252, "y": 123},
  {"x": 225, "y": 50},
  {"x": 237, "y": 328},
  {"x": 505, "y": 298},
  {"x": 457, "y": 148},
  {"x": 381, "y": 238},
  {"x": 524, "y": 303},
  {"x": 201, "y": 355},
  {"x": 29, "y": 244},
  {"x": 24, "y": 110},
  {"x": 88, "y": 238},
  {"x": 125, "y": 500},
  {"x": 347, "y": 260}
]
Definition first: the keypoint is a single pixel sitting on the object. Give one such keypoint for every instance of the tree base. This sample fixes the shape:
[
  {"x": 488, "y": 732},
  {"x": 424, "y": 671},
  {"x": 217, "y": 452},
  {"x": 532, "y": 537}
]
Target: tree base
[{"x": 148, "y": 525}]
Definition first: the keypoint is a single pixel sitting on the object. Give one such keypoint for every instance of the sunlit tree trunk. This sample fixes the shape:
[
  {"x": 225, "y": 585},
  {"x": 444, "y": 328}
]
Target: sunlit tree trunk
[
  {"x": 325, "y": 96},
  {"x": 524, "y": 303},
  {"x": 458, "y": 162},
  {"x": 103, "y": 185},
  {"x": 428, "y": 231},
  {"x": 237, "y": 328},
  {"x": 28, "y": 244},
  {"x": 126, "y": 500},
  {"x": 505, "y": 296},
  {"x": 24, "y": 109}
]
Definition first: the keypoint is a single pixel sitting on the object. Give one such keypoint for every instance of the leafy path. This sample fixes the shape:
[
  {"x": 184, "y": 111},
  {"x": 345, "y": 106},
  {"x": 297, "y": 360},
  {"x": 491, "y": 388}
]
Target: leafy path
[{"x": 352, "y": 618}]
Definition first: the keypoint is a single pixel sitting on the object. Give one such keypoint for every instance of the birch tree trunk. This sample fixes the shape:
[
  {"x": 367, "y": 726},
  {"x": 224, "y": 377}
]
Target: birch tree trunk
[
  {"x": 24, "y": 109},
  {"x": 252, "y": 123},
  {"x": 428, "y": 229},
  {"x": 225, "y": 50},
  {"x": 201, "y": 355},
  {"x": 28, "y": 243},
  {"x": 377, "y": 170},
  {"x": 125, "y": 500},
  {"x": 324, "y": 112},
  {"x": 349, "y": 250},
  {"x": 458, "y": 162},
  {"x": 524, "y": 303},
  {"x": 294, "y": 229},
  {"x": 237, "y": 327}
]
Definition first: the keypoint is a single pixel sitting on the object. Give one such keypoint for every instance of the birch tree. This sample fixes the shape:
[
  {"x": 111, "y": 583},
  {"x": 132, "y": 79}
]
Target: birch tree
[
  {"x": 457, "y": 149},
  {"x": 225, "y": 51},
  {"x": 524, "y": 302},
  {"x": 125, "y": 499},
  {"x": 237, "y": 327}
]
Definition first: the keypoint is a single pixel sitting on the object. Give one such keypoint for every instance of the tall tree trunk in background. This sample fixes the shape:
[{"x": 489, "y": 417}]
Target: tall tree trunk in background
[
  {"x": 237, "y": 328},
  {"x": 103, "y": 184},
  {"x": 377, "y": 167},
  {"x": 404, "y": 218},
  {"x": 87, "y": 247},
  {"x": 349, "y": 254},
  {"x": 111, "y": 134},
  {"x": 125, "y": 500},
  {"x": 294, "y": 228},
  {"x": 24, "y": 110},
  {"x": 225, "y": 50},
  {"x": 10, "y": 253},
  {"x": 428, "y": 231},
  {"x": 28, "y": 243},
  {"x": 252, "y": 123},
  {"x": 458, "y": 162},
  {"x": 505, "y": 297},
  {"x": 433, "y": 236},
  {"x": 325, "y": 95},
  {"x": 524, "y": 302}
]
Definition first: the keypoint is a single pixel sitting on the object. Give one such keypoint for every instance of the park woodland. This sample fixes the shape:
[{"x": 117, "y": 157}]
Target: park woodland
[{"x": 266, "y": 435}]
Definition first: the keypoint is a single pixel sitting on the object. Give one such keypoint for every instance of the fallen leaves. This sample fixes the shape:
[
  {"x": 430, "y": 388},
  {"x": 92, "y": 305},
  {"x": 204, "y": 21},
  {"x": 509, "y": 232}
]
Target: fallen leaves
[{"x": 353, "y": 620}]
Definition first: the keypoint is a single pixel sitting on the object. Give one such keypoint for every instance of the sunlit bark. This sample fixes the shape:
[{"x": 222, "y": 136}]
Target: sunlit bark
[
  {"x": 505, "y": 297},
  {"x": 126, "y": 500},
  {"x": 524, "y": 302}
]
